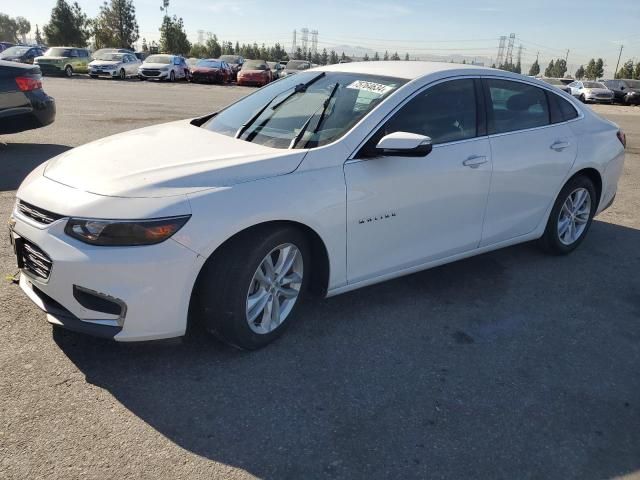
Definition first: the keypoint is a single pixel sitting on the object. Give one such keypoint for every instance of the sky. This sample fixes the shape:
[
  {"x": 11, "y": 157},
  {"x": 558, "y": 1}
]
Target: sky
[{"x": 547, "y": 28}]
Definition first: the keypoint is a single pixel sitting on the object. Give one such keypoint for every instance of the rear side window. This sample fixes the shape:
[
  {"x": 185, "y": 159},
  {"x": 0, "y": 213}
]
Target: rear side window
[
  {"x": 560, "y": 109},
  {"x": 515, "y": 106},
  {"x": 445, "y": 112}
]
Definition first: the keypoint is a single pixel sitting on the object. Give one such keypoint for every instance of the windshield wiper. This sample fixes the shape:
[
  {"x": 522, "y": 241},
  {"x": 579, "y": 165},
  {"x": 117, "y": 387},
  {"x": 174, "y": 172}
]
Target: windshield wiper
[
  {"x": 301, "y": 87},
  {"x": 325, "y": 106}
]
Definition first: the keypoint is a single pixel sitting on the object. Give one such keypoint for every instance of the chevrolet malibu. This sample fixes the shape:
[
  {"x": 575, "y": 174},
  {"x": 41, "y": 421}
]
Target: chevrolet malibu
[{"x": 325, "y": 181}]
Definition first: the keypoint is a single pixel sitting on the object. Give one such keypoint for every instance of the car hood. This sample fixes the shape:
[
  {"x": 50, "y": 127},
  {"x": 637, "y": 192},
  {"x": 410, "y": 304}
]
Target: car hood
[
  {"x": 156, "y": 66},
  {"x": 104, "y": 63},
  {"x": 170, "y": 159}
]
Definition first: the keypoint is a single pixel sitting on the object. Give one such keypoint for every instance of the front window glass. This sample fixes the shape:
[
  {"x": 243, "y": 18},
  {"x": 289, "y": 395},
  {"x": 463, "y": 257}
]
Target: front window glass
[
  {"x": 516, "y": 106},
  {"x": 58, "y": 52},
  {"x": 254, "y": 65},
  {"x": 445, "y": 112},
  {"x": 166, "y": 59},
  {"x": 318, "y": 115},
  {"x": 593, "y": 85}
]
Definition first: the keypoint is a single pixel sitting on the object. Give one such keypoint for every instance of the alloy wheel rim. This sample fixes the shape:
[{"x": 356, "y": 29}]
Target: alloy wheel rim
[
  {"x": 274, "y": 288},
  {"x": 574, "y": 216}
]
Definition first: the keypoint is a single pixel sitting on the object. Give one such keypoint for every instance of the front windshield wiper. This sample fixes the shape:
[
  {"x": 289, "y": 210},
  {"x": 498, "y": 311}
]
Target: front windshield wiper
[
  {"x": 301, "y": 87},
  {"x": 325, "y": 106}
]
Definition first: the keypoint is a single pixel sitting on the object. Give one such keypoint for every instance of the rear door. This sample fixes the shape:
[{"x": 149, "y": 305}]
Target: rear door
[{"x": 532, "y": 150}]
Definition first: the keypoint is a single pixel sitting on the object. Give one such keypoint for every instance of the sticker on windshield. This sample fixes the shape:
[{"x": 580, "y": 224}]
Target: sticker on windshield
[{"x": 370, "y": 87}]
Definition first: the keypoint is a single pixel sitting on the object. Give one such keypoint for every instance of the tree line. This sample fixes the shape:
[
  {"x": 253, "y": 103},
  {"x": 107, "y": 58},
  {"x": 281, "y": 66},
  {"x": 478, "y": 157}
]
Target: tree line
[{"x": 629, "y": 70}]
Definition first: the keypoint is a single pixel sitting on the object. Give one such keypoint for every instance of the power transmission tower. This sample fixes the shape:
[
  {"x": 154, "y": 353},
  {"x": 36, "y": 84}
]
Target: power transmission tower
[
  {"x": 293, "y": 44},
  {"x": 500, "y": 57},
  {"x": 512, "y": 39},
  {"x": 314, "y": 41},
  {"x": 520, "y": 54},
  {"x": 305, "y": 39}
]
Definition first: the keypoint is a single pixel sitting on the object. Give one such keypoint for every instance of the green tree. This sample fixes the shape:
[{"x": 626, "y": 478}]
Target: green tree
[
  {"x": 116, "y": 25},
  {"x": 535, "y": 69},
  {"x": 173, "y": 38},
  {"x": 560, "y": 68},
  {"x": 580, "y": 73},
  {"x": 324, "y": 58},
  {"x": 333, "y": 57},
  {"x": 386, "y": 55},
  {"x": 376, "y": 57},
  {"x": 636, "y": 72},
  {"x": 39, "y": 39},
  {"x": 589, "y": 72},
  {"x": 365, "y": 58},
  {"x": 599, "y": 70},
  {"x": 24, "y": 27},
  {"x": 548, "y": 72},
  {"x": 8, "y": 28},
  {"x": 68, "y": 25},
  {"x": 395, "y": 56},
  {"x": 626, "y": 71},
  {"x": 213, "y": 47},
  {"x": 406, "y": 57}
]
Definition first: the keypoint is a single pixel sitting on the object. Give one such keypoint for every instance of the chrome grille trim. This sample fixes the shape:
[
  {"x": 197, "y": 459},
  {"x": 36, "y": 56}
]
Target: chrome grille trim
[
  {"x": 35, "y": 261},
  {"x": 39, "y": 215}
]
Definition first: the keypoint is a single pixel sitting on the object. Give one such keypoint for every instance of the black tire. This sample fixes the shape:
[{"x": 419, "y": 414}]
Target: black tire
[
  {"x": 550, "y": 241},
  {"x": 583, "y": 99},
  {"x": 220, "y": 295},
  {"x": 93, "y": 76},
  {"x": 172, "y": 76},
  {"x": 68, "y": 71},
  {"x": 123, "y": 74}
]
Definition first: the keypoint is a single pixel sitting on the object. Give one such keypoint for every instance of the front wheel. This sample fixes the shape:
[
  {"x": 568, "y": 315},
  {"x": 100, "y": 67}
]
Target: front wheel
[
  {"x": 248, "y": 290},
  {"x": 68, "y": 71},
  {"x": 123, "y": 74},
  {"x": 570, "y": 217},
  {"x": 583, "y": 99},
  {"x": 172, "y": 76}
]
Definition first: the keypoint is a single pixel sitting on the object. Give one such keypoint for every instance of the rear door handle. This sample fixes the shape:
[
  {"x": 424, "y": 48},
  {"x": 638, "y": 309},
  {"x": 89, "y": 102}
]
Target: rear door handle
[
  {"x": 474, "y": 161},
  {"x": 559, "y": 145}
]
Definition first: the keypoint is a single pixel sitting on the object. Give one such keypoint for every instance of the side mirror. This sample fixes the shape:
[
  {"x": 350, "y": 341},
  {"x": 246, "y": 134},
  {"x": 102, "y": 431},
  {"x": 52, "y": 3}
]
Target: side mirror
[{"x": 404, "y": 144}]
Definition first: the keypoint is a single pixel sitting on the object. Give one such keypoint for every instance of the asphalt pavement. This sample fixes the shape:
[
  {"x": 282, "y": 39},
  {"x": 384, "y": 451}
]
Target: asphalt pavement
[{"x": 512, "y": 364}]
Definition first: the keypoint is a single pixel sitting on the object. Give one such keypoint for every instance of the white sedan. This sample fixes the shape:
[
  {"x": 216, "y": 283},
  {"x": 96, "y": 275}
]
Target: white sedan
[
  {"x": 586, "y": 91},
  {"x": 325, "y": 181},
  {"x": 114, "y": 65}
]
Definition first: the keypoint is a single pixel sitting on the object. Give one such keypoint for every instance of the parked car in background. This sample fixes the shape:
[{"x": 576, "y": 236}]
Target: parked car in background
[
  {"x": 330, "y": 180},
  {"x": 23, "y": 103},
  {"x": 589, "y": 91},
  {"x": 114, "y": 65},
  {"x": 276, "y": 69},
  {"x": 163, "y": 67},
  {"x": 235, "y": 62},
  {"x": 5, "y": 45},
  {"x": 211, "y": 71},
  {"x": 21, "y": 53},
  {"x": 558, "y": 83},
  {"x": 295, "y": 66},
  {"x": 254, "y": 72},
  {"x": 141, "y": 55},
  {"x": 624, "y": 90},
  {"x": 64, "y": 61},
  {"x": 98, "y": 53}
]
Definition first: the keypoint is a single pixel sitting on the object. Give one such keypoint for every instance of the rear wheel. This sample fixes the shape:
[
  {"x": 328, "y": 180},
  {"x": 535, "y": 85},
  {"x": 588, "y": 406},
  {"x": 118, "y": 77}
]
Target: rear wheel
[
  {"x": 68, "y": 71},
  {"x": 570, "y": 217},
  {"x": 172, "y": 76},
  {"x": 123, "y": 74},
  {"x": 248, "y": 291}
]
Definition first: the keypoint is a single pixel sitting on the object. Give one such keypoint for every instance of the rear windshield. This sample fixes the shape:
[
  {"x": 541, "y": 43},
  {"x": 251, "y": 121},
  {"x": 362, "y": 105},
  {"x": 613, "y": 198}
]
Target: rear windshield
[
  {"x": 159, "y": 59},
  {"x": 58, "y": 52},
  {"x": 230, "y": 58},
  {"x": 110, "y": 56},
  {"x": 297, "y": 65},
  {"x": 254, "y": 65}
]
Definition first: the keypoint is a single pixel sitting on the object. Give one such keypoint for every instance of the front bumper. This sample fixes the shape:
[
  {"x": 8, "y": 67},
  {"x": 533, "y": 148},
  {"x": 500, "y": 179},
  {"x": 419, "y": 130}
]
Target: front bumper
[
  {"x": 596, "y": 99},
  {"x": 160, "y": 76},
  {"x": 104, "y": 73},
  {"x": 51, "y": 69},
  {"x": 151, "y": 284}
]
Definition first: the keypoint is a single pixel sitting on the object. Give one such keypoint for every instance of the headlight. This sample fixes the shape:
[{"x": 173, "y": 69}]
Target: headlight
[{"x": 122, "y": 233}]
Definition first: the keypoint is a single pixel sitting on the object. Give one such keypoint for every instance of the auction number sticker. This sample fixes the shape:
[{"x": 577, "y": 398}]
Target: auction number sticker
[{"x": 370, "y": 87}]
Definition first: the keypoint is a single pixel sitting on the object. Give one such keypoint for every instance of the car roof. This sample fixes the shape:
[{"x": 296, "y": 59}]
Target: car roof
[{"x": 410, "y": 70}]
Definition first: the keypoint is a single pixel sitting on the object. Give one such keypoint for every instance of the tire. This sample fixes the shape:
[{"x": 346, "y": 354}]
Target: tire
[
  {"x": 172, "y": 76},
  {"x": 123, "y": 74},
  {"x": 93, "y": 76},
  {"x": 583, "y": 99},
  {"x": 228, "y": 278},
  {"x": 68, "y": 71},
  {"x": 554, "y": 240}
]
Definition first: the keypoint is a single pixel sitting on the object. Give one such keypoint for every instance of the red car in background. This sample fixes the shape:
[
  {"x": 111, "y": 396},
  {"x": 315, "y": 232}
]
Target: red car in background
[
  {"x": 211, "y": 71},
  {"x": 254, "y": 72}
]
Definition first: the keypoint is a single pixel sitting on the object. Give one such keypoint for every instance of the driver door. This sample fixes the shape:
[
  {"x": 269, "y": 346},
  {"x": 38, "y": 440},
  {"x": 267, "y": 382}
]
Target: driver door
[{"x": 406, "y": 211}]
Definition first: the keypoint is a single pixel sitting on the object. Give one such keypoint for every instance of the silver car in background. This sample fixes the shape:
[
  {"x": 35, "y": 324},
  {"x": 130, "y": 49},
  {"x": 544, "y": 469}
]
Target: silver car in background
[
  {"x": 588, "y": 91},
  {"x": 114, "y": 65}
]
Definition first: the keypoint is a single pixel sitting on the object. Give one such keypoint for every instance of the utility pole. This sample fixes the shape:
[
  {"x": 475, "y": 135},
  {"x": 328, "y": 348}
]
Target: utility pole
[
  {"x": 618, "y": 64},
  {"x": 566, "y": 58},
  {"x": 537, "y": 55}
]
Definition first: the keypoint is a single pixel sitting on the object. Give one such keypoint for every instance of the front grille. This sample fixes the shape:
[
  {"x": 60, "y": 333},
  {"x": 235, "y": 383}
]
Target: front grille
[
  {"x": 151, "y": 73},
  {"x": 34, "y": 260},
  {"x": 40, "y": 215}
]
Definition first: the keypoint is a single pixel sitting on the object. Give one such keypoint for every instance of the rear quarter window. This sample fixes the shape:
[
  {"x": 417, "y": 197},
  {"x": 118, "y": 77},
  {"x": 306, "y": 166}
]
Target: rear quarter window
[{"x": 560, "y": 109}]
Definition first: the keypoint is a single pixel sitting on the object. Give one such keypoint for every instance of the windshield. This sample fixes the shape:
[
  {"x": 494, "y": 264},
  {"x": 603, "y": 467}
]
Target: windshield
[
  {"x": 58, "y": 52},
  {"x": 114, "y": 57},
  {"x": 593, "y": 85},
  {"x": 208, "y": 64},
  {"x": 635, "y": 84},
  {"x": 230, "y": 58},
  {"x": 254, "y": 65},
  {"x": 15, "y": 51},
  {"x": 159, "y": 59},
  {"x": 297, "y": 65},
  {"x": 288, "y": 108}
]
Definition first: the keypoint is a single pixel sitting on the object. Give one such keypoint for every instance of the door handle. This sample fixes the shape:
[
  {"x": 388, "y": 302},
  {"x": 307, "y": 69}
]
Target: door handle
[
  {"x": 474, "y": 161},
  {"x": 559, "y": 145}
]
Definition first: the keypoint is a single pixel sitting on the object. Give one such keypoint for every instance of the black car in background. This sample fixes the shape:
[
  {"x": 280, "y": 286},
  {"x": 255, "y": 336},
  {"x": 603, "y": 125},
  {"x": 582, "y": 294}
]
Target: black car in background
[
  {"x": 235, "y": 62},
  {"x": 23, "y": 103},
  {"x": 624, "y": 90},
  {"x": 21, "y": 53}
]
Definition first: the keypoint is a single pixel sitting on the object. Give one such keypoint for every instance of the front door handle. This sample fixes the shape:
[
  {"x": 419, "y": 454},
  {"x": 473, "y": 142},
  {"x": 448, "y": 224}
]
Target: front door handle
[
  {"x": 559, "y": 145},
  {"x": 475, "y": 161}
]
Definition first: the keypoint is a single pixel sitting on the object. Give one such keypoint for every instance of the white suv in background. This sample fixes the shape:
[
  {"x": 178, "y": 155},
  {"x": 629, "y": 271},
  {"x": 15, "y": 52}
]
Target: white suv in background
[{"x": 163, "y": 67}]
